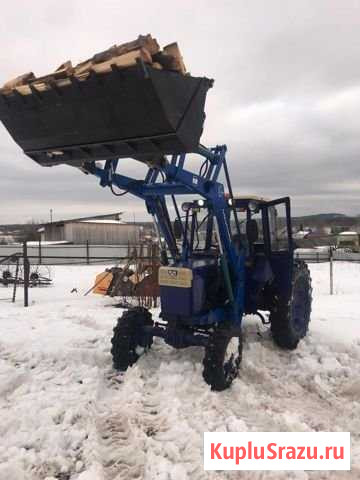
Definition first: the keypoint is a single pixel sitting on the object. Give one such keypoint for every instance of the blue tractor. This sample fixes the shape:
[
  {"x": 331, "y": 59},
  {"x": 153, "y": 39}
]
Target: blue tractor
[{"x": 222, "y": 256}]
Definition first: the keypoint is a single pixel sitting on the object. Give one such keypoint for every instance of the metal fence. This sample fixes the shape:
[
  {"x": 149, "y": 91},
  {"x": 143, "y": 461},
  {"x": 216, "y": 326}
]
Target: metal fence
[
  {"x": 40, "y": 254},
  {"x": 44, "y": 254},
  {"x": 323, "y": 255},
  {"x": 86, "y": 254},
  {"x": 329, "y": 256}
]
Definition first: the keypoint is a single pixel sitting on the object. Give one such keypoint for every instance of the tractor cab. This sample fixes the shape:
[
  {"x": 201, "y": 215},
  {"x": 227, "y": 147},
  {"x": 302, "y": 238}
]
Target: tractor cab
[
  {"x": 266, "y": 234},
  {"x": 262, "y": 237},
  {"x": 266, "y": 228}
]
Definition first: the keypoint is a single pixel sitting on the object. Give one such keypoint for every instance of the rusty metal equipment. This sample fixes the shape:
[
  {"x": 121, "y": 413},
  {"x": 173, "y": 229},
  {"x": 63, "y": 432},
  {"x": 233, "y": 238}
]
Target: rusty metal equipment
[{"x": 136, "y": 282}]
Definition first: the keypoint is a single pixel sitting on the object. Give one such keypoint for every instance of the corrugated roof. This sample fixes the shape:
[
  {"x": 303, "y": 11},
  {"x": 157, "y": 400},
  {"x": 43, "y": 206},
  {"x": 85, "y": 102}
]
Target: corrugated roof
[
  {"x": 348, "y": 233},
  {"x": 113, "y": 222}
]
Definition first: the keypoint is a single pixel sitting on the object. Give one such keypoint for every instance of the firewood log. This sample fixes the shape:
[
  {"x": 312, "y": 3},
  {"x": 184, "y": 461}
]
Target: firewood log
[
  {"x": 147, "y": 42},
  {"x": 173, "y": 49},
  {"x": 145, "y": 48},
  {"x": 166, "y": 61},
  {"x": 123, "y": 61},
  {"x": 169, "y": 62},
  {"x": 17, "y": 82},
  {"x": 143, "y": 41}
]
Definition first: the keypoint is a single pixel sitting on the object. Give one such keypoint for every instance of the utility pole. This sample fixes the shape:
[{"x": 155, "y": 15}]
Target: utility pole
[{"x": 51, "y": 215}]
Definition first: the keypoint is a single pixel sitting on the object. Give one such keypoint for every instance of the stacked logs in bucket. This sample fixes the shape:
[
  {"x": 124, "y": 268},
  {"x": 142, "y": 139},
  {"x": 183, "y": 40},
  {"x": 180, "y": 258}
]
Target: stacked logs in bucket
[{"x": 145, "y": 49}]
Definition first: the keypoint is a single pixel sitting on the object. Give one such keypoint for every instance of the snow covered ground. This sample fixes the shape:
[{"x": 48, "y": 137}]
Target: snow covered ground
[{"x": 64, "y": 414}]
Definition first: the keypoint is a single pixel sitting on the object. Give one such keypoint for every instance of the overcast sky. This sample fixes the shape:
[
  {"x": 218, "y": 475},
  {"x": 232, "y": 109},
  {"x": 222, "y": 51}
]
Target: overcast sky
[{"x": 286, "y": 98}]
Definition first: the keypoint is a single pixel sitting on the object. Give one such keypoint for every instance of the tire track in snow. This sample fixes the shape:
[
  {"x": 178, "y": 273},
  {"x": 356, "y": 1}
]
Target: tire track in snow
[
  {"x": 153, "y": 423},
  {"x": 132, "y": 415}
]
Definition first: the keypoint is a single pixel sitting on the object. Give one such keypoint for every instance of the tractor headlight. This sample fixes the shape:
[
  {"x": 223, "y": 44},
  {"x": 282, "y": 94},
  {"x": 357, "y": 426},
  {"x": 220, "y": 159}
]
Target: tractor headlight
[
  {"x": 201, "y": 203},
  {"x": 230, "y": 202},
  {"x": 253, "y": 206}
]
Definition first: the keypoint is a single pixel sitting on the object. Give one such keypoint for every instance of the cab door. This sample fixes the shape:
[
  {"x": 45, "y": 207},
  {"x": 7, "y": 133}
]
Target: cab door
[{"x": 278, "y": 242}]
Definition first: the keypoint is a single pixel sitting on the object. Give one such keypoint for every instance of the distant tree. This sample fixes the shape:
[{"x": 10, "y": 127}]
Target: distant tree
[{"x": 30, "y": 232}]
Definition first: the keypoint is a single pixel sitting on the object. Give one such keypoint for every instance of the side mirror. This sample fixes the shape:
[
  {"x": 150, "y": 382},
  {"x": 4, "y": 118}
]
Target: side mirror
[
  {"x": 178, "y": 229},
  {"x": 252, "y": 231}
]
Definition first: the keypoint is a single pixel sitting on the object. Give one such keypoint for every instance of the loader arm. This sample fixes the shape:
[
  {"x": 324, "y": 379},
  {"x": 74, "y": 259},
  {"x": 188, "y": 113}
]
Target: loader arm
[{"x": 175, "y": 180}]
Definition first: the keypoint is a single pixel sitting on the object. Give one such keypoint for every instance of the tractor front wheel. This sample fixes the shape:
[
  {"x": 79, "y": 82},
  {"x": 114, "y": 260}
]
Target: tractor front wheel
[
  {"x": 290, "y": 318},
  {"x": 222, "y": 358},
  {"x": 129, "y": 340}
]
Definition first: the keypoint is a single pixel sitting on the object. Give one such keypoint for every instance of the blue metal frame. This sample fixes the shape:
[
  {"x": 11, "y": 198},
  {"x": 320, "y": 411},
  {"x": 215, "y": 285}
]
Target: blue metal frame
[{"x": 176, "y": 180}]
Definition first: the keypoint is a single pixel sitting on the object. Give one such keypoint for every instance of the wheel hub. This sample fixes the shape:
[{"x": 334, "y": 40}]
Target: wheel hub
[
  {"x": 232, "y": 350},
  {"x": 232, "y": 357}
]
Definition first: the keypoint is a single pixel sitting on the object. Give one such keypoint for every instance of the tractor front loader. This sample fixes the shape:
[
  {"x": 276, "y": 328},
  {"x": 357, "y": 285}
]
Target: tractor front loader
[{"x": 221, "y": 255}]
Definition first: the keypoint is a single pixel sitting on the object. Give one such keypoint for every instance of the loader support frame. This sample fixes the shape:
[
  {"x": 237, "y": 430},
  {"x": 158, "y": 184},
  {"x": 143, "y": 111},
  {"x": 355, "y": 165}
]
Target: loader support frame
[{"x": 175, "y": 179}]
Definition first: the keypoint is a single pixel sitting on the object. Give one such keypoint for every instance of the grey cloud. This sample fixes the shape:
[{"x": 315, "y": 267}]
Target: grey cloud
[{"x": 286, "y": 98}]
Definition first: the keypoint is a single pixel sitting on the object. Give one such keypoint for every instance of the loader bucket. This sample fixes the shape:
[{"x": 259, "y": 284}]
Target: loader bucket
[{"x": 138, "y": 112}]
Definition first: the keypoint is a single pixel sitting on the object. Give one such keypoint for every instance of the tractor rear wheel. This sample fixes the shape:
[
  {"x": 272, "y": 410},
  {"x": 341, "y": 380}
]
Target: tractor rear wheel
[
  {"x": 290, "y": 318},
  {"x": 222, "y": 358},
  {"x": 129, "y": 341}
]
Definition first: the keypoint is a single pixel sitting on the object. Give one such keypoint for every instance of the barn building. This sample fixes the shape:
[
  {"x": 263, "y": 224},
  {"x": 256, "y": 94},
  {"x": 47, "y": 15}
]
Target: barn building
[
  {"x": 350, "y": 240},
  {"x": 96, "y": 231}
]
